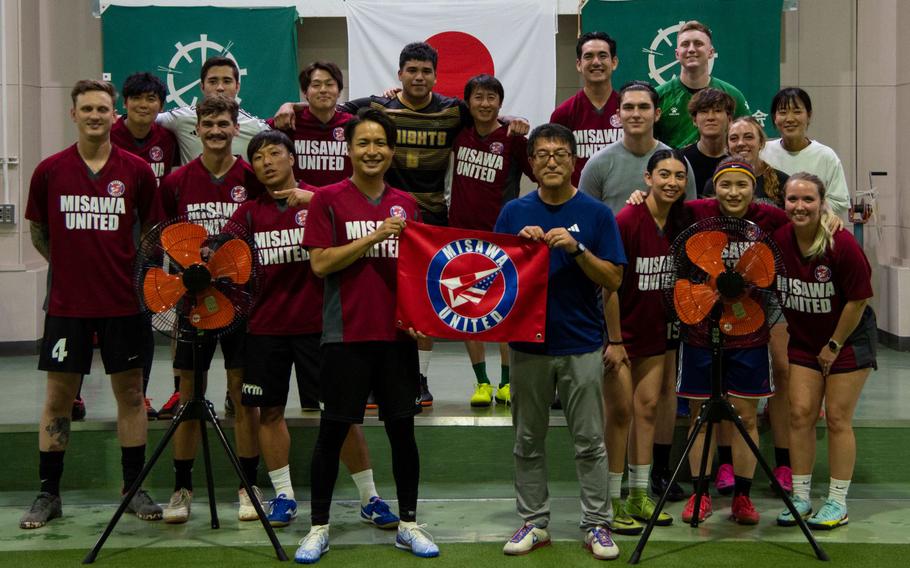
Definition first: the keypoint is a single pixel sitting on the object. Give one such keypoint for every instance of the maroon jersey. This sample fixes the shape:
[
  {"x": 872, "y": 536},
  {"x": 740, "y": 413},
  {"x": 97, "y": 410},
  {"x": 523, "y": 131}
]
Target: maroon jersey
[
  {"x": 486, "y": 174},
  {"x": 816, "y": 290},
  {"x": 191, "y": 188},
  {"x": 290, "y": 295},
  {"x": 359, "y": 301},
  {"x": 159, "y": 148},
  {"x": 321, "y": 153},
  {"x": 593, "y": 128},
  {"x": 644, "y": 322},
  {"x": 92, "y": 219}
]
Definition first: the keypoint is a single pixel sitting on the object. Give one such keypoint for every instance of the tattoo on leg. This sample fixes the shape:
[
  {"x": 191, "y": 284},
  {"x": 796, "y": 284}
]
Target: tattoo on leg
[{"x": 59, "y": 431}]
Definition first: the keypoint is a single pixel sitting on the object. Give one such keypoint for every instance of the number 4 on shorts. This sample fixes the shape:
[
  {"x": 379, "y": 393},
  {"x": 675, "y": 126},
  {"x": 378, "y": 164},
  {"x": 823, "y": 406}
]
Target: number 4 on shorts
[{"x": 59, "y": 352}]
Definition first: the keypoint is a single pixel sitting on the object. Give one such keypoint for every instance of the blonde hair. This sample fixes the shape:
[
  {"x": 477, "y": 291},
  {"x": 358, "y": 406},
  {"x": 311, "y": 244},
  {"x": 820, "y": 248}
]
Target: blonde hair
[
  {"x": 824, "y": 238},
  {"x": 770, "y": 183}
]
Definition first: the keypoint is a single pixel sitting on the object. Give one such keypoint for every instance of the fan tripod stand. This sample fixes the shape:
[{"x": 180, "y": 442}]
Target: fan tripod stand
[
  {"x": 197, "y": 408},
  {"x": 712, "y": 412}
]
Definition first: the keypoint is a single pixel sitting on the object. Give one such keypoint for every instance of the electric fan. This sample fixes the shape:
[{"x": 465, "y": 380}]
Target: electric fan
[
  {"x": 723, "y": 286},
  {"x": 196, "y": 277}
]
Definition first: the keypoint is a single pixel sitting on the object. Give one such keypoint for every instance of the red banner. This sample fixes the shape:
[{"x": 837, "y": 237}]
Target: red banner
[{"x": 472, "y": 285}]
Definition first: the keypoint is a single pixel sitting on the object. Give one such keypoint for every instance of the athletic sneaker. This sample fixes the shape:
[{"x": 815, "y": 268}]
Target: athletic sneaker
[
  {"x": 228, "y": 405},
  {"x": 600, "y": 543},
  {"x": 483, "y": 395},
  {"x": 724, "y": 480},
  {"x": 150, "y": 411},
  {"x": 371, "y": 402},
  {"x": 640, "y": 506},
  {"x": 623, "y": 523},
  {"x": 504, "y": 394},
  {"x": 78, "y": 409},
  {"x": 44, "y": 508},
  {"x": 659, "y": 482},
  {"x": 169, "y": 409},
  {"x": 784, "y": 476},
  {"x": 143, "y": 506},
  {"x": 743, "y": 511},
  {"x": 377, "y": 513},
  {"x": 313, "y": 545},
  {"x": 802, "y": 506},
  {"x": 282, "y": 511},
  {"x": 689, "y": 509},
  {"x": 247, "y": 512},
  {"x": 414, "y": 538},
  {"x": 830, "y": 516},
  {"x": 424, "y": 398},
  {"x": 178, "y": 508},
  {"x": 526, "y": 539}
]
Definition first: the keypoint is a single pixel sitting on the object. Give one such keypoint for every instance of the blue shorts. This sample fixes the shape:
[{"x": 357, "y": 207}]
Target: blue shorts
[{"x": 746, "y": 372}]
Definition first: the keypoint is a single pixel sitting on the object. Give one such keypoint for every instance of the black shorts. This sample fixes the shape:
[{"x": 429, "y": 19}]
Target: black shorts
[
  {"x": 267, "y": 377},
  {"x": 351, "y": 370},
  {"x": 231, "y": 348},
  {"x": 746, "y": 372},
  {"x": 68, "y": 342}
]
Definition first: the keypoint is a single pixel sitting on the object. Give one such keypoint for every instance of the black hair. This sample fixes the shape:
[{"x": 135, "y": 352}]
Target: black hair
[
  {"x": 268, "y": 138},
  {"x": 376, "y": 115},
  {"x": 418, "y": 51},
  {"x": 640, "y": 86},
  {"x": 332, "y": 69},
  {"x": 679, "y": 218},
  {"x": 551, "y": 131},
  {"x": 138, "y": 84},
  {"x": 591, "y": 36},
  {"x": 483, "y": 81},
  {"x": 217, "y": 104},
  {"x": 788, "y": 96},
  {"x": 219, "y": 61}
]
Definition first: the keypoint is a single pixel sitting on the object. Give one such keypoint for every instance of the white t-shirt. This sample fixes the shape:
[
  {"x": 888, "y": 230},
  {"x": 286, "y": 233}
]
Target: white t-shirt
[
  {"x": 182, "y": 122},
  {"x": 817, "y": 159}
]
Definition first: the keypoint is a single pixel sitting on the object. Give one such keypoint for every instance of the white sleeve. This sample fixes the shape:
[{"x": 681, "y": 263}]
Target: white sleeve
[{"x": 838, "y": 195}]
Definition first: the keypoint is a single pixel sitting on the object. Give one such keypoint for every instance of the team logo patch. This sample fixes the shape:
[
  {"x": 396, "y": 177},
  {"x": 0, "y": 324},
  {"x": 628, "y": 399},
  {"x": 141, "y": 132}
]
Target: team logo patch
[
  {"x": 300, "y": 217},
  {"x": 398, "y": 211},
  {"x": 338, "y": 134},
  {"x": 496, "y": 147},
  {"x": 238, "y": 193},
  {"x": 116, "y": 188},
  {"x": 822, "y": 273},
  {"x": 472, "y": 285},
  {"x": 156, "y": 153},
  {"x": 615, "y": 121}
]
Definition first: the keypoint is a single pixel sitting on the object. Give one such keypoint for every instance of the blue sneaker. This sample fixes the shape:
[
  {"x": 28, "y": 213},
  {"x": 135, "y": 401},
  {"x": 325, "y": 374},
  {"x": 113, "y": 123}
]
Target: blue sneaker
[
  {"x": 830, "y": 516},
  {"x": 282, "y": 511},
  {"x": 802, "y": 506},
  {"x": 414, "y": 538},
  {"x": 377, "y": 513},
  {"x": 313, "y": 545}
]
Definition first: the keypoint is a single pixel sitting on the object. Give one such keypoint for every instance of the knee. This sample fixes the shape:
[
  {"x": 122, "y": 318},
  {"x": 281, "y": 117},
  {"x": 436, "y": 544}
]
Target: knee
[
  {"x": 802, "y": 415},
  {"x": 618, "y": 413},
  {"x": 529, "y": 447},
  {"x": 271, "y": 415},
  {"x": 837, "y": 420},
  {"x": 589, "y": 447}
]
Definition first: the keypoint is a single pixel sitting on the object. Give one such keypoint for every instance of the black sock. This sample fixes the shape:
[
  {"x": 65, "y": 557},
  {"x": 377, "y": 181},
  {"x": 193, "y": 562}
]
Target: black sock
[
  {"x": 324, "y": 468},
  {"x": 176, "y": 383},
  {"x": 183, "y": 475},
  {"x": 699, "y": 480},
  {"x": 131, "y": 459},
  {"x": 661, "y": 458},
  {"x": 50, "y": 470},
  {"x": 742, "y": 486},
  {"x": 405, "y": 465},
  {"x": 725, "y": 454},
  {"x": 782, "y": 456},
  {"x": 250, "y": 467}
]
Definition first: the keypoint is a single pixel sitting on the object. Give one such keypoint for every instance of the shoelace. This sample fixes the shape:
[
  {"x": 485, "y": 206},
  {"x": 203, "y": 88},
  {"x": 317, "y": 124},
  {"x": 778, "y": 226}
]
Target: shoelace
[
  {"x": 420, "y": 530},
  {"x": 312, "y": 538},
  {"x": 602, "y": 536},
  {"x": 522, "y": 532}
]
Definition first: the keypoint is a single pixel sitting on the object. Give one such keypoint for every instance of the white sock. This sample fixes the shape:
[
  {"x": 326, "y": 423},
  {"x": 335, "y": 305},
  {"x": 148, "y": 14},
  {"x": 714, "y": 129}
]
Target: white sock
[
  {"x": 281, "y": 481},
  {"x": 639, "y": 475},
  {"x": 364, "y": 482},
  {"x": 837, "y": 491},
  {"x": 423, "y": 357},
  {"x": 615, "y": 485},
  {"x": 801, "y": 486}
]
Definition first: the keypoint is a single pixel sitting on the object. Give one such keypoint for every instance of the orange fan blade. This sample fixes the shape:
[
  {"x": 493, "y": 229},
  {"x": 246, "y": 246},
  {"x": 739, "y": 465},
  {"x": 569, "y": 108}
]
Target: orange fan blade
[
  {"x": 213, "y": 310},
  {"x": 757, "y": 265},
  {"x": 705, "y": 250},
  {"x": 161, "y": 290},
  {"x": 741, "y": 317},
  {"x": 693, "y": 301},
  {"x": 232, "y": 260},
  {"x": 182, "y": 241}
]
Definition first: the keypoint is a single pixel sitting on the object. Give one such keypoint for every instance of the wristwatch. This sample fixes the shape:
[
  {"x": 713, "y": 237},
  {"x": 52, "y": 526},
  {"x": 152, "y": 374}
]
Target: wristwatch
[
  {"x": 579, "y": 250},
  {"x": 834, "y": 346}
]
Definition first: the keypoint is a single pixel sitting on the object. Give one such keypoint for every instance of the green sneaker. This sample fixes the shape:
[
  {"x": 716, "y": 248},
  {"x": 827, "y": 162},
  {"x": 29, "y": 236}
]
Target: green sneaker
[
  {"x": 623, "y": 523},
  {"x": 640, "y": 506},
  {"x": 483, "y": 395},
  {"x": 830, "y": 516},
  {"x": 802, "y": 506}
]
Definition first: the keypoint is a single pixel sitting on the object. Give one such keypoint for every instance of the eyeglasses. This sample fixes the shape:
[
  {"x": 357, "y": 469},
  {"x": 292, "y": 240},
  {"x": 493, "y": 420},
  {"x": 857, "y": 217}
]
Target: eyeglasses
[{"x": 558, "y": 155}]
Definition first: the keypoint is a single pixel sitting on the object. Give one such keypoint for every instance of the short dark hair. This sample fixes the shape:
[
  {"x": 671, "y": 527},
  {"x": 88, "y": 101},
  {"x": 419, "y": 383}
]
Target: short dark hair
[
  {"x": 219, "y": 61},
  {"x": 143, "y": 82},
  {"x": 551, "y": 131},
  {"x": 710, "y": 99},
  {"x": 418, "y": 51},
  {"x": 368, "y": 114},
  {"x": 697, "y": 26},
  {"x": 307, "y": 74},
  {"x": 787, "y": 96},
  {"x": 268, "y": 138},
  {"x": 87, "y": 85},
  {"x": 216, "y": 105},
  {"x": 591, "y": 36},
  {"x": 483, "y": 81},
  {"x": 640, "y": 86}
]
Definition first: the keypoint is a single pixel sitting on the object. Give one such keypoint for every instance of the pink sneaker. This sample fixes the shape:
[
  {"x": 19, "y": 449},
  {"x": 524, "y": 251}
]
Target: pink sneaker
[
  {"x": 724, "y": 481},
  {"x": 784, "y": 476}
]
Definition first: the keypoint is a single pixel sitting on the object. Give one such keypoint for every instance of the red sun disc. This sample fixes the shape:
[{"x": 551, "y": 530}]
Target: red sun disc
[{"x": 461, "y": 56}]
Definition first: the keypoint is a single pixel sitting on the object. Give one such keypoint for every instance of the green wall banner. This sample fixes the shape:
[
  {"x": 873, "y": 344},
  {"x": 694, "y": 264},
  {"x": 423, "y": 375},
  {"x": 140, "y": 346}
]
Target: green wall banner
[{"x": 173, "y": 43}]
